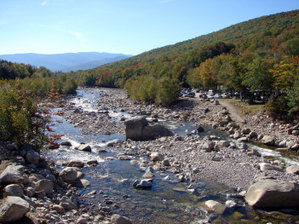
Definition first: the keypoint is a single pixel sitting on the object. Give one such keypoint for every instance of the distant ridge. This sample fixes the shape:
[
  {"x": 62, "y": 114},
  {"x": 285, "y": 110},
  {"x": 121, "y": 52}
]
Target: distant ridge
[{"x": 65, "y": 62}]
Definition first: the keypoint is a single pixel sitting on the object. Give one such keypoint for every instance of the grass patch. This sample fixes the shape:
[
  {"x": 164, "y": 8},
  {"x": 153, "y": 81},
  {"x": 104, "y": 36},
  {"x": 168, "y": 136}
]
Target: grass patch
[{"x": 245, "y": 108}]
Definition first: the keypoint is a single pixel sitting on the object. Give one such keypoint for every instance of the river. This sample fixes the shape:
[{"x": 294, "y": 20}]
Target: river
[{"x": 168, "y": 201}]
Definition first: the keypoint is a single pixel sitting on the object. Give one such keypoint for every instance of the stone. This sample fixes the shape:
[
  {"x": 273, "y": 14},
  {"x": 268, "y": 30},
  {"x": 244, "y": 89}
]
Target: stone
[
  {"x": 223, "y": 143},
  {"x": 200, "y": 129},
  {"x": 293, "y": 169},
  {"x": 271, "y": 193},
  {"x": 252, "y": 135},
  {"x": 208, "y": 146},
  {"x": 237, "y": 135},
  {"x": 166, "y": 162},
  {"x": 117, "y": 219},
  {"x": 295, "y": 132},
  {"x": 70, "y": 174},
  {"x": 76, "y": 163},
  {"x": 13, "y": 190},
  {"x": 215, "y": 206},
  {"x": 140, "y": 130},
  {"x": 231, "y": 204},
  {"x": 133, "y": 162},
  {"x": 33, "y": 157},
  {"x": 113, "y": 142},
  {"x": 143, "y": 184},
  {"x": 68, "y": 204},
  {"x": 13, "y": 209},
  {"x": 84, "y": 147},
  {"x": 245, "y": 131},
  {"x": 268, "y": 140},
  {"x": 216, "y": 102},
  {"x": 149, "y": 173},
  {"x": 217, "y": 158},
  {"x": 155, "y": 156},
  {"x": 66, "y": 143},
  {"x": 58, "y": 208},
  {"x": 268, "y": 166},
  {"x": 44, "y": 185},
  {"x": 92, "y": 162},
  {"x": 12, "y": 175},
  {"x": 83, "y": 183}
]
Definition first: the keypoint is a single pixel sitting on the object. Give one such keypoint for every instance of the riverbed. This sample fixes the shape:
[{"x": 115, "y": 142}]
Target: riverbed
[{"x": 171, "y": 199}]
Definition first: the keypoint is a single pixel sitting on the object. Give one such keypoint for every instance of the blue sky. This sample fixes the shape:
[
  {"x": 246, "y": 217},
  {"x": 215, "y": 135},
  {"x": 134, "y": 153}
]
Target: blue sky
[{"x": 119, "y": 26}]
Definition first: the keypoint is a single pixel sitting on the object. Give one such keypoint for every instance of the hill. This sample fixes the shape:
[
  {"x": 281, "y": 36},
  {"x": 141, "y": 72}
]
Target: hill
[
  {"x": 65, "y": 62},
  {"x": 259, "y": 56}
]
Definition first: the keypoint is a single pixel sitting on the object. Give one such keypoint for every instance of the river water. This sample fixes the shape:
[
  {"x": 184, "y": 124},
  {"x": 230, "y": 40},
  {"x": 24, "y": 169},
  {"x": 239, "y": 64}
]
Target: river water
[{"x": 168, "y": 201}]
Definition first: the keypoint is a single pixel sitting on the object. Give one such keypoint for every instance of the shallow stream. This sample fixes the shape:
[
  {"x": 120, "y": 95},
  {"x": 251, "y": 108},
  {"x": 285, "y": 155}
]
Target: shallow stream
[{"x": 168, "y": 201}]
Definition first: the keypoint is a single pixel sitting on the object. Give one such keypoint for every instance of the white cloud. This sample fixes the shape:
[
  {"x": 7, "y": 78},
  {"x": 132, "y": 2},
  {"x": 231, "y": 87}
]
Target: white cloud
[
  {"x": 77, "y": 35},
  {"x": 45, "y": 2}
]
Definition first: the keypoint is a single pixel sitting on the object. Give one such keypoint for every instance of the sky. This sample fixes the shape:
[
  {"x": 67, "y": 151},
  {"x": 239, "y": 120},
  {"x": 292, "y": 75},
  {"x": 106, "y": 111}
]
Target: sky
[{"x": 120, "y": 26}]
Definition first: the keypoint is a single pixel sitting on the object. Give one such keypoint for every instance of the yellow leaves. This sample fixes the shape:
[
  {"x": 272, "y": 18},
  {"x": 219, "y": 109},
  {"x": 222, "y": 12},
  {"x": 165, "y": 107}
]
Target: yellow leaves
[{"x": 284, "y": 74}]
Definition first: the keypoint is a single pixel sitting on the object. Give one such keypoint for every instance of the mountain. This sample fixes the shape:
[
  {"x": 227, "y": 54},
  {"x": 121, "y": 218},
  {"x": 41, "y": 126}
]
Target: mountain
[
  {"x": 245, "y": 57},
  {"x": 65, "y": 62}
]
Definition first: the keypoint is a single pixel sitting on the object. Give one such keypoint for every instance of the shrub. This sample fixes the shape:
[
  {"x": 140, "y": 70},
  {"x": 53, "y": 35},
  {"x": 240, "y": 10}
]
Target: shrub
[{"x": 19, "y": 120}]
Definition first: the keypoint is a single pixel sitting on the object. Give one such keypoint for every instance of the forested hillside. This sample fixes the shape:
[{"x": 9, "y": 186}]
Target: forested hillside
[{"x": 257, "y": 55}]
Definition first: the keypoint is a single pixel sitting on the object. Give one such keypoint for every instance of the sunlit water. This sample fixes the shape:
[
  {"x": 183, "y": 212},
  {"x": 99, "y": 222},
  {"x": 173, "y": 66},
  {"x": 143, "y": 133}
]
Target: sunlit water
[{"x": 168, "y": 201}]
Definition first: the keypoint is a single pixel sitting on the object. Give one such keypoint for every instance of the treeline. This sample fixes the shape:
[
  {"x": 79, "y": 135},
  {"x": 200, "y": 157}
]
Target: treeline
[
  {"x": 259, "y": 55},
  {"x": 22, "y": 87}
]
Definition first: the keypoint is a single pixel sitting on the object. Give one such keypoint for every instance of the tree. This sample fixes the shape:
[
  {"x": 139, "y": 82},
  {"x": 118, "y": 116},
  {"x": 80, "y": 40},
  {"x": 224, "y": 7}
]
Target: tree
[{"x": 168, "y": 91}]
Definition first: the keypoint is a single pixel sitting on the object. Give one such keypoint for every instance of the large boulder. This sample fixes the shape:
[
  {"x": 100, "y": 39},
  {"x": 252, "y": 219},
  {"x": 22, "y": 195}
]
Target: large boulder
[
  {"x": 13, "y": 208},
  {"x": 270, "y": 193},
  {"x": 12, "y": 175},
  {"x": 140, "y": 130},
  {"x": 70, "y": 174},
  {"x": 293, "y": 169}
]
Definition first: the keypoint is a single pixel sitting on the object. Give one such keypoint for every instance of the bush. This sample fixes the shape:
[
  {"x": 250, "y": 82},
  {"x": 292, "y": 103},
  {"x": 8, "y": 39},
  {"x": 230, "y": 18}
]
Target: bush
[
  {"x": 277, "y": 106},
  {"x": 19, "y": 120}
]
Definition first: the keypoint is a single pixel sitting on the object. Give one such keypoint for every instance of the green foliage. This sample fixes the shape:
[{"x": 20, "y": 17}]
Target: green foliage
[
  {"x": 70, "y": 86},
  {"x": 277, "y": 106},
  {"x": 293, "y": 96},
  {"x": 19, "y": 120},
  {"x": 168, "y": 91}
]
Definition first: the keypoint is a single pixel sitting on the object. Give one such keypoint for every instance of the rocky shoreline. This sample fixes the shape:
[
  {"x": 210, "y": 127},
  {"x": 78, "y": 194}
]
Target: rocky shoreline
[{"x": 51, "y": 195}]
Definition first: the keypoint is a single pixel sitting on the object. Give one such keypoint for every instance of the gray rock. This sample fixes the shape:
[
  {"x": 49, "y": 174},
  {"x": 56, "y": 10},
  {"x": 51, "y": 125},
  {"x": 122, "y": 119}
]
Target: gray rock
[
  {"x": 143, "y": 184},
  {"x": 70, "y": 174},
  {"x": 237, "y": 134},
  {"x": 293, "y": 169},
  {"x": 149, "y": 173},
  {"x": 270, "y": 193},
  {"x": 92, "y": 162},
  {"x": 252, "y": 135},
  {"x": 13, "y": 190},
  {"x": 155, "y": 156},
  {"x": 84, "y": 147},
  {"x": 223, "y": 143},
  {"x": 58, "y": 208},
  {"x": 208, "y": 146},
  {"x": 33, "y": 157},
  {"x": 140, "y": 130},
  {"x": 166, "y": 162},
  {"x": 76, "y": 163},
  {"x": 113, "y": 142},
  {"x": 268, "y": 140},
  {"x": 268, "y": 166},
  {"x": 44, "y": 185},
  {"x": 12, "y": 175},
  {"x": 245, "y": 131},
  {"x": 214, "y": 206},
  {"x": 68, "y": 204},
  {"x": 13, "y": 209},
  {"x": 117, "y": 219},
  {"x": 66, "y": 143}
]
